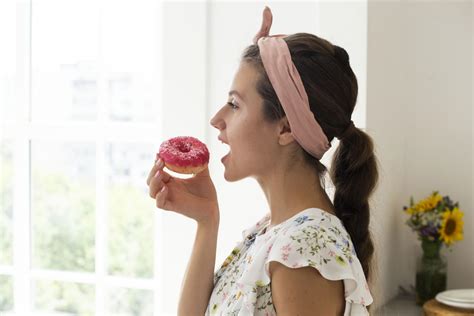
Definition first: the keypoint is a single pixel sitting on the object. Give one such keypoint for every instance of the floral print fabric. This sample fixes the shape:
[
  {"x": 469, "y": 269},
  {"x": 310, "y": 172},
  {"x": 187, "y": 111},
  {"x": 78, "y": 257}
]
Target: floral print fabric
[{"x": 312, "y": 237}]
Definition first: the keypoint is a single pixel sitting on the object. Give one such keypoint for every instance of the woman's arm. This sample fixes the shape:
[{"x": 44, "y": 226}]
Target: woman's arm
[
  {"x": 304, "y": 292},
  {"x": 198, "y": 281}
]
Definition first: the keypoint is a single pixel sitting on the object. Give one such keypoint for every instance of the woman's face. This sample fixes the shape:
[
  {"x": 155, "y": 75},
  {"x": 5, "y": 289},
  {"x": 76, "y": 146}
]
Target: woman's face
[{"x": 253, "y": 143}]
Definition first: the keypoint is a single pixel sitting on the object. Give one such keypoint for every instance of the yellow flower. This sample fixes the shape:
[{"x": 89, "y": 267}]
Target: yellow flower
[
  {"x": 226, "y": 262},
  {"x": 411, "y": 211},
  {"x": 426, "y": 204},
  {"x": 340, "y": 260},
  {"x": 259, "y": 283},
  {"x": 235, "y": 251},
  {"x": 452, "y": 226},
  {"x": 230, "y": 257}
]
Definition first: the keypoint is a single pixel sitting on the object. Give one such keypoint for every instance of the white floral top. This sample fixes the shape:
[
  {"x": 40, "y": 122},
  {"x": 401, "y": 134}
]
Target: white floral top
[{"x": 312, "y": 237}]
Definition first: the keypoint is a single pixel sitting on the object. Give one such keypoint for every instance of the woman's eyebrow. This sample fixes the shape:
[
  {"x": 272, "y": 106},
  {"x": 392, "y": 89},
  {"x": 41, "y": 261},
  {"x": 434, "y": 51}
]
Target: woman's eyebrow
[{"x": 236, "y": 93}]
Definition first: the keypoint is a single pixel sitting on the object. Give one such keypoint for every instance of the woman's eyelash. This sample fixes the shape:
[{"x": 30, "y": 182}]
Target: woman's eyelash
[{"x": 232, "y": 105}]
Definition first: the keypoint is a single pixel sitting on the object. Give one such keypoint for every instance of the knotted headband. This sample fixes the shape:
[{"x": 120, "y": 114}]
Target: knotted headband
[{"x": 286, "y": 82}]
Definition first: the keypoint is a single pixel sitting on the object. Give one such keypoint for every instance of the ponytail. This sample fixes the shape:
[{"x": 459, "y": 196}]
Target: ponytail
[{"x": 354, "y": 174}]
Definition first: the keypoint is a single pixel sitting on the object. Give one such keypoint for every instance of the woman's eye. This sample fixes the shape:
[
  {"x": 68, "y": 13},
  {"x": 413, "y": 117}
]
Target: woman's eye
[{"x": 232, "y": 105}]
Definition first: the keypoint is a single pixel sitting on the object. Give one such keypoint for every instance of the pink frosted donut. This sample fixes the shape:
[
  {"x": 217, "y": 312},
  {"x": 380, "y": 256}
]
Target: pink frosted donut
[{"x": 184, "y": 154}]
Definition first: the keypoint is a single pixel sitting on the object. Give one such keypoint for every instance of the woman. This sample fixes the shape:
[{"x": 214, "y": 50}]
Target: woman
[{"x": 290, "y": 97}]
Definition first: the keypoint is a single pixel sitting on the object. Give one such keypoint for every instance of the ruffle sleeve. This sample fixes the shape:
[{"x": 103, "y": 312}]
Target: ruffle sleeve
[{"x": 321, "y": 243}]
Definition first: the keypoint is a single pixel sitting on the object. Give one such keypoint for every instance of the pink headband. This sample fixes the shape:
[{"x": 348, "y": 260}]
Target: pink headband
[{"x": 289, "y": 88}]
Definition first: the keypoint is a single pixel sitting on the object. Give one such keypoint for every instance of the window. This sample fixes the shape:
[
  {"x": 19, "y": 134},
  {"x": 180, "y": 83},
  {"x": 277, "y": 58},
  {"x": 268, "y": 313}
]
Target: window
[{"x": 80, "y": 120}]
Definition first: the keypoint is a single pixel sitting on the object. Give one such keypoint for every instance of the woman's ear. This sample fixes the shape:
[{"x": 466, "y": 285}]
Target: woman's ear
[{"x": 285, "y": 137}]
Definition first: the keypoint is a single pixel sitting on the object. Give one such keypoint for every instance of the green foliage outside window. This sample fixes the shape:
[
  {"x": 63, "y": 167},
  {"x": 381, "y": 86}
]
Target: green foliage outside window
[
  {"x": 63, "y": 219},
  {"x": 63, "y": 238},
  {"x": 6, "y": 209}
]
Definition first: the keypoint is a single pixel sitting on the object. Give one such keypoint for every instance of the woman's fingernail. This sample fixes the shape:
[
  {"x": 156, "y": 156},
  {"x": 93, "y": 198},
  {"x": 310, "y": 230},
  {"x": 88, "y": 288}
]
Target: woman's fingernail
[
  {"x": 157, "y": 173},
  {"x": 160, "y": 163}
]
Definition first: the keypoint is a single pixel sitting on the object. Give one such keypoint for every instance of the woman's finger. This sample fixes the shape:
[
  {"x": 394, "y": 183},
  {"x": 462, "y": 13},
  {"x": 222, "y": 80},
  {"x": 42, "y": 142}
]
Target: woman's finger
[
  {"x": 161, "y": 198},
  {"x": 161, "y": 175},
  {"x": 157, "y": 182},
  {"x": 154, "y": 169},
  {"x": 159, "y": 164}
]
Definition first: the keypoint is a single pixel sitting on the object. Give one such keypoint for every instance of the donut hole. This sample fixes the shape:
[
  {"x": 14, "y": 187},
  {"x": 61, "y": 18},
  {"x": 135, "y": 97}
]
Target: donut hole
[{"x": 184, "y": 147}]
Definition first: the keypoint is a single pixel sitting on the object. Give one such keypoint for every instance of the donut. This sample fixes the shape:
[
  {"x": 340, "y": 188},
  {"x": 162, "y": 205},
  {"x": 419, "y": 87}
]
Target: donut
[{"x": 184, "y": 154}]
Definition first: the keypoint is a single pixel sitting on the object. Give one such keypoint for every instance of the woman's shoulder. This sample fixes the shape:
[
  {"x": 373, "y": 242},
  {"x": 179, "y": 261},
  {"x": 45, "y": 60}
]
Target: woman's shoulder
[
  {"x": 320, "y": 233},
  {"x": 312, "y": 238},
  {"x": 318, "y": 239},
  {"x": 257, "y": 227},
  {"x": 320, "y": 224},
  {"x": 313, "y": 220}
]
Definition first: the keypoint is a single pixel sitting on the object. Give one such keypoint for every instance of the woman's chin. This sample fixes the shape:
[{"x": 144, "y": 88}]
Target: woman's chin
[{"x": 227, "y": 171}]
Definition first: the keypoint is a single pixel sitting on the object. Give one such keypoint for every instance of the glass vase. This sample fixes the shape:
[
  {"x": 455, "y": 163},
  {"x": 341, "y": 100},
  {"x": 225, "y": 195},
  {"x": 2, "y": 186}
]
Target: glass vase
[{"x": 431, "y": 270}]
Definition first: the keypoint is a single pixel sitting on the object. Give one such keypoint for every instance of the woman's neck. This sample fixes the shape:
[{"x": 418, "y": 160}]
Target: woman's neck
[{"x": 290, "y": 192}]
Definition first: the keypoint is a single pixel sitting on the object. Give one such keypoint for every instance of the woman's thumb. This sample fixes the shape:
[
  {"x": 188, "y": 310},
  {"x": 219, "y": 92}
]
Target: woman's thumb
[{"x": 204, "y": 172}]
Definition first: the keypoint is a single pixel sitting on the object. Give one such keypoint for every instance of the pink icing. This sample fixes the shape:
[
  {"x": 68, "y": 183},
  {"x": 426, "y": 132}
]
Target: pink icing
[{"x": 184, "y": 151}]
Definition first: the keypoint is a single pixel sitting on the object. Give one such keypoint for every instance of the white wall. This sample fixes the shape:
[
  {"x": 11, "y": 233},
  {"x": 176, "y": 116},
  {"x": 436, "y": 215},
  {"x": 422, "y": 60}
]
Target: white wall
[{"x": 419, "y": 111}]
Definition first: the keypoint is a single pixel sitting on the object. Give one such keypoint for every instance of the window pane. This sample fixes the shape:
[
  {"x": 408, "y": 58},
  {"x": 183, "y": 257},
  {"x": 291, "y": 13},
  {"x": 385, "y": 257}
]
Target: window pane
[
  {"x": 63, "y": 204},
  {"x": 65, "y": 59},
  {"x": 6, "y": 293},
  {"x": 6, "y": 202},
  {"x": 130, "y": 210},
  {"x": 130, "y": 302},
  {"x": 66, "y": 63},
  {"x": 65, "y": 297},
  {"x": 130, "y": 58},
  {"x": 7, "y": 58}
]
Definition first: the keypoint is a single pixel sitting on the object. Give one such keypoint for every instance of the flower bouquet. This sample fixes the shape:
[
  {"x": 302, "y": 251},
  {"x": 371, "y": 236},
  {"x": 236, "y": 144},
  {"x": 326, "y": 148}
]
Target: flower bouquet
[{"x": 437, "y": 221}]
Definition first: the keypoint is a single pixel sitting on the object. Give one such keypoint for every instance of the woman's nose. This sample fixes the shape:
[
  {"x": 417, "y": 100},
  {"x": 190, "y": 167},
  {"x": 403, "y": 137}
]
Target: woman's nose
[
  {"x": 217, "y": 122},
  {"x": 213, "y": 121}
]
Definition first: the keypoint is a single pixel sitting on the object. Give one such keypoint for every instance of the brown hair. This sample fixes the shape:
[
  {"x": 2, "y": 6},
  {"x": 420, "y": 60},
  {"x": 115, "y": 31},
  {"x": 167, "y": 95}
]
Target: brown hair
[{"x": 332, "y": 92}]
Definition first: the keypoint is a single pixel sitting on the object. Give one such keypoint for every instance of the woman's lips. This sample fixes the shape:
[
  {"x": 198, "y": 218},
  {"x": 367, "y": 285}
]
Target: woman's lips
[{"x": 224, "y": 158}]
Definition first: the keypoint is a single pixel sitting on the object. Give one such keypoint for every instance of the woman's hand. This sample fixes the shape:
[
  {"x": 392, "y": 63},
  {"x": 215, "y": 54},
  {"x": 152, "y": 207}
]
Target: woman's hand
[{"x": 195, "y": 197}]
